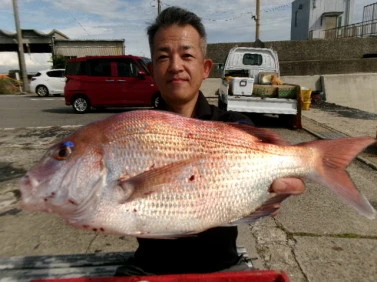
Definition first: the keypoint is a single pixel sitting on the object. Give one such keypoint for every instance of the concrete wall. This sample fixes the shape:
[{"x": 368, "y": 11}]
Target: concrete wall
[
  {"x": 308, "y": 81},
  {"x": 352, "y": 90},
  {"x": 311, "y": 57},
  {"x": 316, "y": 67},
  {"x": 358, "y": 90}
]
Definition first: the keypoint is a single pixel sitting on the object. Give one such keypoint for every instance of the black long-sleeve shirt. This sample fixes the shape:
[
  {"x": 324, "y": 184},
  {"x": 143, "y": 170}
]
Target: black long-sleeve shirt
[{"x": 212, "y": 250}]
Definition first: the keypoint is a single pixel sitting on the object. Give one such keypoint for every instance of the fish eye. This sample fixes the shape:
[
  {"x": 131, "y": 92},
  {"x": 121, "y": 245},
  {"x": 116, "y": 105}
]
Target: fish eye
[{"x": 64, "y": 151}]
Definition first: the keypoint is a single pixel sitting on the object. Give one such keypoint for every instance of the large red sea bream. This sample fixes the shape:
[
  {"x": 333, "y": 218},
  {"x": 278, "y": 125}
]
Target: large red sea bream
[{"x": 159, "y": 175}]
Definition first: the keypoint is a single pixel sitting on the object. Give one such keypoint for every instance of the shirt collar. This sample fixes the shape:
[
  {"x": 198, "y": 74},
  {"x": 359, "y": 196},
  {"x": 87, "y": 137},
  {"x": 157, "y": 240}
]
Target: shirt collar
[{"x": 202, "y": 107}]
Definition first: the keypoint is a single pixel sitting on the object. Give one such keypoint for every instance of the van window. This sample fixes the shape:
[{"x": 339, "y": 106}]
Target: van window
[
  {"x": 75, "y": 68},
  {"x": 252, "y": 59},
  {"x": 127, "y": 68},
  {"x": 99, "y": 68},
  {"x": 144, "y": 64}
]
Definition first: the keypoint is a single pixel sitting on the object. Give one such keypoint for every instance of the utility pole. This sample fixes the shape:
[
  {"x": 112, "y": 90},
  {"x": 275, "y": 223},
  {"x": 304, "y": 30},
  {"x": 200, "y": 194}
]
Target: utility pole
[
  {"x": 158, "y": 6},
  {"x": 257, "y": 21},
  {"x": 21, "y": 56}
]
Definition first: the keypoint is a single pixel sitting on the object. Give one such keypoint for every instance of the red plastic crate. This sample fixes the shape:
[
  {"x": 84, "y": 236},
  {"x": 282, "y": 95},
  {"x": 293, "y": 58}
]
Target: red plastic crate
[{"x": 254, "y": 276}]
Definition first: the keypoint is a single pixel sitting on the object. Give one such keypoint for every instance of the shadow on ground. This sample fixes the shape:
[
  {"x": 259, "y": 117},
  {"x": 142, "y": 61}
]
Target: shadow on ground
[
  {"x": 7, "y": 171},
  {"x": 345, "y": 111}
]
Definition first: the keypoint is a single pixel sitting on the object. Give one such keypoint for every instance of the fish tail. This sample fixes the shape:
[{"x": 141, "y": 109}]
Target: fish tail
[{"x": 335, "y": 156}]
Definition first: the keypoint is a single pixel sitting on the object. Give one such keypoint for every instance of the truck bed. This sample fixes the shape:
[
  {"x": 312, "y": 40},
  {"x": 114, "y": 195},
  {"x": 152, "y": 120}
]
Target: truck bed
[
  {"x": 263, "y": 105},
  {"x": 288, "y": 109}
]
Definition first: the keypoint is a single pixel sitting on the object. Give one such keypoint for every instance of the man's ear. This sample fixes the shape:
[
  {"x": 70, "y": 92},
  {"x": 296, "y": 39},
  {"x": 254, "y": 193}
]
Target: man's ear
[{"x": 207, "y": 67}]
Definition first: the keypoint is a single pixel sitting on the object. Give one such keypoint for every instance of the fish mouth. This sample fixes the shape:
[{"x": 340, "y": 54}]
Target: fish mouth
[
  {"x": 28, "y": 182},
  {"x": 29, "y": 198},
  {"x": 27, "y": 186}
]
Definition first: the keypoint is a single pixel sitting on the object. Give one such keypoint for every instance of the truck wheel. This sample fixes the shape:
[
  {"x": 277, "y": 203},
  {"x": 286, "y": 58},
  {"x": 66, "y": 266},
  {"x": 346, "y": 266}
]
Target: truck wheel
[
  {"x": 290, "y": 121},
  {"x": 221, "y": 104},
  {"x": 80, "y": 104}
]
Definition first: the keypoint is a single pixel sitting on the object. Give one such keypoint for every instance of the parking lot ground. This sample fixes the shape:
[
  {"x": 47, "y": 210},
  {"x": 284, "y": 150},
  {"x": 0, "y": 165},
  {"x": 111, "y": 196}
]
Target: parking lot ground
[{"x": 315, "y": 237}]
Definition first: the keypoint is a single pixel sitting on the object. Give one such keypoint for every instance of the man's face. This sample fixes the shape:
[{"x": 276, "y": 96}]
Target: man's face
[{"x": 179, "y": 66}]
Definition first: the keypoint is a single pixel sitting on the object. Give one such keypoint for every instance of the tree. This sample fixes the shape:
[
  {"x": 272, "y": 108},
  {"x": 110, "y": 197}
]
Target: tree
[{"x": 58, "y": 61}]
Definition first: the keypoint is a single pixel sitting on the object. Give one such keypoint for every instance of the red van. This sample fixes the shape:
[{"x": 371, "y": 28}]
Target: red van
[{"x": 109, "y": 81}]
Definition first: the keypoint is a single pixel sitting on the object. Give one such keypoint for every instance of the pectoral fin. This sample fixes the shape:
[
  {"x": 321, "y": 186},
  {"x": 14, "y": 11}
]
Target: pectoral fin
[
  {"x": 268, "y": 208},
  {"x": 151, "y": 181}
]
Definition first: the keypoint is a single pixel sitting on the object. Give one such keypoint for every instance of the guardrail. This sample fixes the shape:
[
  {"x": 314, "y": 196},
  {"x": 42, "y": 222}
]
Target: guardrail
[{"x": 363, "y": 29}]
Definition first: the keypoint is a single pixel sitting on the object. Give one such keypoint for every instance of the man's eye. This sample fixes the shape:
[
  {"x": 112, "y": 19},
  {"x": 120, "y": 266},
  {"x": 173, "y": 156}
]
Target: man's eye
[{"x": 162, "y": 57}]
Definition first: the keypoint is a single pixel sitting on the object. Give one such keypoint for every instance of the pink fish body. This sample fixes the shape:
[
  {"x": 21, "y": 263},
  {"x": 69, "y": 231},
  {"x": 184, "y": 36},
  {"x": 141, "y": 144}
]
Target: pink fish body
[{"x": 159, "y": 175}]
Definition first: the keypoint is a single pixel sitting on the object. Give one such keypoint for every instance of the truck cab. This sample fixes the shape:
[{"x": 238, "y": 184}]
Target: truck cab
[{"x": 250, "y": 62}]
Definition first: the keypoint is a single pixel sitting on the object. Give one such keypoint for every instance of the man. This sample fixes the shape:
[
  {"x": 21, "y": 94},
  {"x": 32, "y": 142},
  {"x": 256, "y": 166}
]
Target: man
[{"x": 177, "y": 42}]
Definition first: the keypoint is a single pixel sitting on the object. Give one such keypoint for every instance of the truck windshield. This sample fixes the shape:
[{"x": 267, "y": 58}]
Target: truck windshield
[{"x": 252, "y": 59}]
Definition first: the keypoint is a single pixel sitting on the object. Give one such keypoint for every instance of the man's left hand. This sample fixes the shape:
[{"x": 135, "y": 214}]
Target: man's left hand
[{"x": 283, "y": 188}]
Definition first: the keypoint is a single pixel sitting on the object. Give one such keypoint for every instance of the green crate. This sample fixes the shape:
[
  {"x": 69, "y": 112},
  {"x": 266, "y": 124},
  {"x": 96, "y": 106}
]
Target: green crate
[
  {"x": 268, "y": 91},
  {"x": 288, "y": 91}
]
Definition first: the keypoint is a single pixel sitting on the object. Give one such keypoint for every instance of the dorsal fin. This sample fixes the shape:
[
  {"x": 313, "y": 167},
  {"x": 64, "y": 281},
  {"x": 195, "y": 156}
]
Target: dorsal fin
[{"x": 264, "y": 135}]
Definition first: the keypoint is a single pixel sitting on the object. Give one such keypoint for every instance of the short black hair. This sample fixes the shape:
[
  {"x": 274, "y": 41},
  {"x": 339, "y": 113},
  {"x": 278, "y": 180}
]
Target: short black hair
[{"x": 180, "y": 17}]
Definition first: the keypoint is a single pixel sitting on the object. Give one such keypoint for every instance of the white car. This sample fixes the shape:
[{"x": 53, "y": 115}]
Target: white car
[{"x": 48, "y": 82}]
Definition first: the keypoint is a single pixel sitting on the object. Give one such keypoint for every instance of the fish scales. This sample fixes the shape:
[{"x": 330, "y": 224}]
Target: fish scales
[
  {"x": 183, "y": 130},
  {"x": 160, "y": 175},
  {"x": 195, "y": 207},
  {"x": 184, "y": 142}
]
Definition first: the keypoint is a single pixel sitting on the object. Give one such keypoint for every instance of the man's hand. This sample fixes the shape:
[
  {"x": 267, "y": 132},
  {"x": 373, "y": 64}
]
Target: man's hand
[
  {"x": 291, "y": 186},
  {"x": 282, "y": 188}
]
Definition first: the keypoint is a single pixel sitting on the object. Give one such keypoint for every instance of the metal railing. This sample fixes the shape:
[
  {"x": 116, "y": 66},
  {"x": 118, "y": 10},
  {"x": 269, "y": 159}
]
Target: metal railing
[{"x": 363, "y": 29}]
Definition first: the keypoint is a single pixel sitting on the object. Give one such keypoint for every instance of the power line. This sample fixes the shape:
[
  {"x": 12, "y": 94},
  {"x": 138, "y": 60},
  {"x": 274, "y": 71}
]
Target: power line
[
  {"x": 238, "y": 14},
  {"x": 230, "y": 18},
  {"x": 81, "y": 25}
]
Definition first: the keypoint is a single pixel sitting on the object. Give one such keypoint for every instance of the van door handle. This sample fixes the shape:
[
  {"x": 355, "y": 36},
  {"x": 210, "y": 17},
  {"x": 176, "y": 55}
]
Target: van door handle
[
  {"x": 109, "y": 80},
  {"x": 121, "y": 80}
]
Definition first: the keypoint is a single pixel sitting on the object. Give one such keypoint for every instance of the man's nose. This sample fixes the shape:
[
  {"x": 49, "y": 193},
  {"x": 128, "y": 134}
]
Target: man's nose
[{"x": 175, "y": 64}]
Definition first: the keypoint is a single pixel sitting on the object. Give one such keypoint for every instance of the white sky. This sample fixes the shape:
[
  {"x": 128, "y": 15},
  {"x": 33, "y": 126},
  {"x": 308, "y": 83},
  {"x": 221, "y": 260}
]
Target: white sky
[{"x": 225, "y": 21}]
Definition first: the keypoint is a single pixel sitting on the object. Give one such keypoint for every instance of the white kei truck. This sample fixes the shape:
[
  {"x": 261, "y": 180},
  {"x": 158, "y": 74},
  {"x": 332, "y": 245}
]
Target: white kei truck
[{"x": 250, "y": 83}]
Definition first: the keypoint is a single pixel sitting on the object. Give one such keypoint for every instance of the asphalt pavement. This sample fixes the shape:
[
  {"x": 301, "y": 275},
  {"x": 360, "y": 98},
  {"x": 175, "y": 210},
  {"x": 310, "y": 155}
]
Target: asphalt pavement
[{"x": 314, "y": 238}]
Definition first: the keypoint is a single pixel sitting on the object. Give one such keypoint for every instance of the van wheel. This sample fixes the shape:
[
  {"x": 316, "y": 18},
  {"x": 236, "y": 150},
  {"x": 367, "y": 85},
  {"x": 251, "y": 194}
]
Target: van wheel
[
  {"x": 80, "y": 104},
  {"x": 155, "y": 101}
]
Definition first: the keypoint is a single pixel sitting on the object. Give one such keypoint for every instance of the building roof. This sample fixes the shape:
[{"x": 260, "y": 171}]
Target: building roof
[{"x": 32, "y": 33}]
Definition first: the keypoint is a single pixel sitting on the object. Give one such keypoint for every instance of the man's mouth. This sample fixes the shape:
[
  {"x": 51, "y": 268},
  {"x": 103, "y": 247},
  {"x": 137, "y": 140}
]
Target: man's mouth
[{"x": 177, "y": 80}]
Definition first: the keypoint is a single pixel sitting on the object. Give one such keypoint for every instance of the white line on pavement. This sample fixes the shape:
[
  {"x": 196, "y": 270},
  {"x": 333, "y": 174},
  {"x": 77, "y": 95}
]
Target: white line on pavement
[
  {"x": 42, "y": 127},
  {"x": 45, "y": 99}
]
